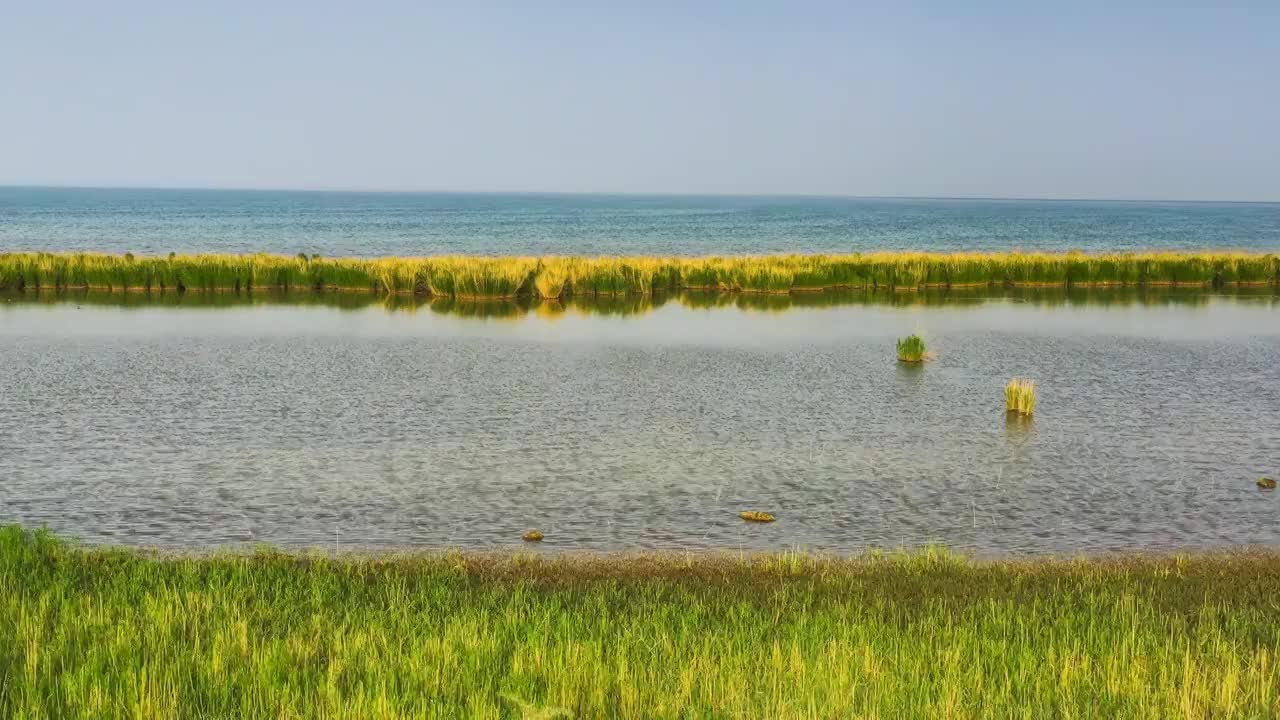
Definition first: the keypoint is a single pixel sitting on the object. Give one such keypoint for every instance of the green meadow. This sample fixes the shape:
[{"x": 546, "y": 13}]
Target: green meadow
[
  {"x": 112, "y": 633},
  {"x": 562, "y": 277}
]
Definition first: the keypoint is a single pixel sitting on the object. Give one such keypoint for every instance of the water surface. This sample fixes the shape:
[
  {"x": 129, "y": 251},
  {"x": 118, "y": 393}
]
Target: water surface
[
  {"x": 319, "y": 425},
  {"x": 379, "y": 224}
]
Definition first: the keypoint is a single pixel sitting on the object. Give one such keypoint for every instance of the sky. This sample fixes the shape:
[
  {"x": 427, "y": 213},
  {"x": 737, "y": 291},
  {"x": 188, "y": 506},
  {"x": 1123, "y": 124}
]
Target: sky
[{"x": 1085, "y": 99}]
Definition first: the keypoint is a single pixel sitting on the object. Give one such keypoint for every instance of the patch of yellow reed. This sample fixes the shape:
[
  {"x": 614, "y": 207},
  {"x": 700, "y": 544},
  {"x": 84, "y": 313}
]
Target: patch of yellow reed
[
  {"x": 1020, "y": 396},
  {"x": 559, "y": 276}
]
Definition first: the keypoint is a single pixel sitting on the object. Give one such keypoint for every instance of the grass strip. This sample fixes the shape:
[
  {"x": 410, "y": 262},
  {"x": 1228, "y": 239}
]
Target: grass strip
[{"x": 562, "y": 277}]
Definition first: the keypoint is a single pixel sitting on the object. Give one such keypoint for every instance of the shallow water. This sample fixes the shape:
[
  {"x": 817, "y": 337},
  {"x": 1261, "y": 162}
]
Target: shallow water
[
  {"x": 319, "y": 425},
  {"x": 379, "y": 224}
]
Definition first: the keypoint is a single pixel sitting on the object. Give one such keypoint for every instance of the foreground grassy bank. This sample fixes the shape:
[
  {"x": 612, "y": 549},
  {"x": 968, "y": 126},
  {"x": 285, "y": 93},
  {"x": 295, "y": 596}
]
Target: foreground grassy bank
[
  {"x": 557, "y": 277},
  {"x": 109, "y": 633}
]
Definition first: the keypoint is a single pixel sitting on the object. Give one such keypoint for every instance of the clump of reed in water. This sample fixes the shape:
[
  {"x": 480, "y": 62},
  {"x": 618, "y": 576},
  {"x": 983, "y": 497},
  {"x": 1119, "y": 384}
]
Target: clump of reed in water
[
  {"x": 557, "y": 277},
  {"x": 911, "y": 349},
  {"x": 1020, "y": 396}
]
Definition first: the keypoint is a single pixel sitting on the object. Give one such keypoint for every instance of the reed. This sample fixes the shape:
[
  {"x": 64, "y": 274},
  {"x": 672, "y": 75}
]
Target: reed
[
  {"x": 105, "y": 633},
  {"x": 911, "y": 349},
  {"x": 559, "y": 277},
  {"x": 1020, "y": 396}
]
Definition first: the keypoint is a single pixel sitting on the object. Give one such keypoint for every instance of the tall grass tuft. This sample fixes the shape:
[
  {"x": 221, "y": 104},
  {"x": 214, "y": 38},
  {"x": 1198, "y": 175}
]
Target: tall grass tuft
[
  {"x": 1020, "y": 396},
  {"x": 911, "y": 349}
]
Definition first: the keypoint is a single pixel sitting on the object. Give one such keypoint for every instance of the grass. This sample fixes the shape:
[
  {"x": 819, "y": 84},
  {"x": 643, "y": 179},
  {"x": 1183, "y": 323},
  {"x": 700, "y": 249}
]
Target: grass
[
  {"x": 561, "y": 277},
  {"x": 107, "y": 633},
  {"x": 1020, "y": 396},
  {"x": 911, "y": 349}
]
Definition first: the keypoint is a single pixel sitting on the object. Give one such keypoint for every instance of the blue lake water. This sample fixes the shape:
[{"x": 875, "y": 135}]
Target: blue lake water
[{"x": 370, "y": 224}]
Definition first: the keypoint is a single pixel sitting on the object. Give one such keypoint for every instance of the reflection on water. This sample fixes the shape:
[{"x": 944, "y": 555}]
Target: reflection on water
[
  {"x": 632, "y": 305},
  {"x": 643, "y": 424}
]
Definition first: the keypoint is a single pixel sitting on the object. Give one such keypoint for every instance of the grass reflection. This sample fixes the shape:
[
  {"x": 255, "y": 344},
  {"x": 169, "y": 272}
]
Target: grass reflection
[{"x": 630, "y": 305}]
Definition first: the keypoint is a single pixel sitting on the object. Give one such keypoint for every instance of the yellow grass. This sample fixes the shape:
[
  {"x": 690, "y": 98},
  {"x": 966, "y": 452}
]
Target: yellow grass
[
  {"x": 1020, "y": 396},
  {"x": 558, "y": 277}
]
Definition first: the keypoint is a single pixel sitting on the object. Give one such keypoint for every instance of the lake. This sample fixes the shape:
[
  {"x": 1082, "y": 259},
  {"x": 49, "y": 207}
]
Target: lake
[
  {"x": 344, "y": 421},
  {"x": 157, "y": 222}
]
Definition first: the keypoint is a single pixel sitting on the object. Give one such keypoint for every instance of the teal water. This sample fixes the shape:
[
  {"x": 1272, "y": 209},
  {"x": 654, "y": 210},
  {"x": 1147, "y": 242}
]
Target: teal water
[{"x": 337, "y": 224}]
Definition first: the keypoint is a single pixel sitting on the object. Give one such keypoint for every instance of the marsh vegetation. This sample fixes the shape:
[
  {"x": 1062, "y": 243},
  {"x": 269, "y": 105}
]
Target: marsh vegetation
[
  {"x": 560, "y": 277},
  {"x": 1020, "y": 396},
  {"x": 105, "y": 633},
  {"x": 911, "y": 349}
]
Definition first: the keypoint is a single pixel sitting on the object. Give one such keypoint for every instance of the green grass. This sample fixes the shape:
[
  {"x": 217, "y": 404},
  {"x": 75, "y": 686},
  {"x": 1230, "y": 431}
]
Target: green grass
[
  {"x": 911, "y": 349},
  {"x": 559, "y": 277},
  {"x": 111, "y": 634},
  {"x": 1020, "y": 396}
]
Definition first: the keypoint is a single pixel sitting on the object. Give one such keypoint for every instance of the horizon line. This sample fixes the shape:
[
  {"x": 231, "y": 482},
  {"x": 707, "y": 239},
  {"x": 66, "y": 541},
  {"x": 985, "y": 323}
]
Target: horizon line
[{"x": 628, "y": 193}]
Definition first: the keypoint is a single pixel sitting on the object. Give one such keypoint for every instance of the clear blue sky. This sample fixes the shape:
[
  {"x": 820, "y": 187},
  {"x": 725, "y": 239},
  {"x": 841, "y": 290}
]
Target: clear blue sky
[{"x": 1017, "y": 99}]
